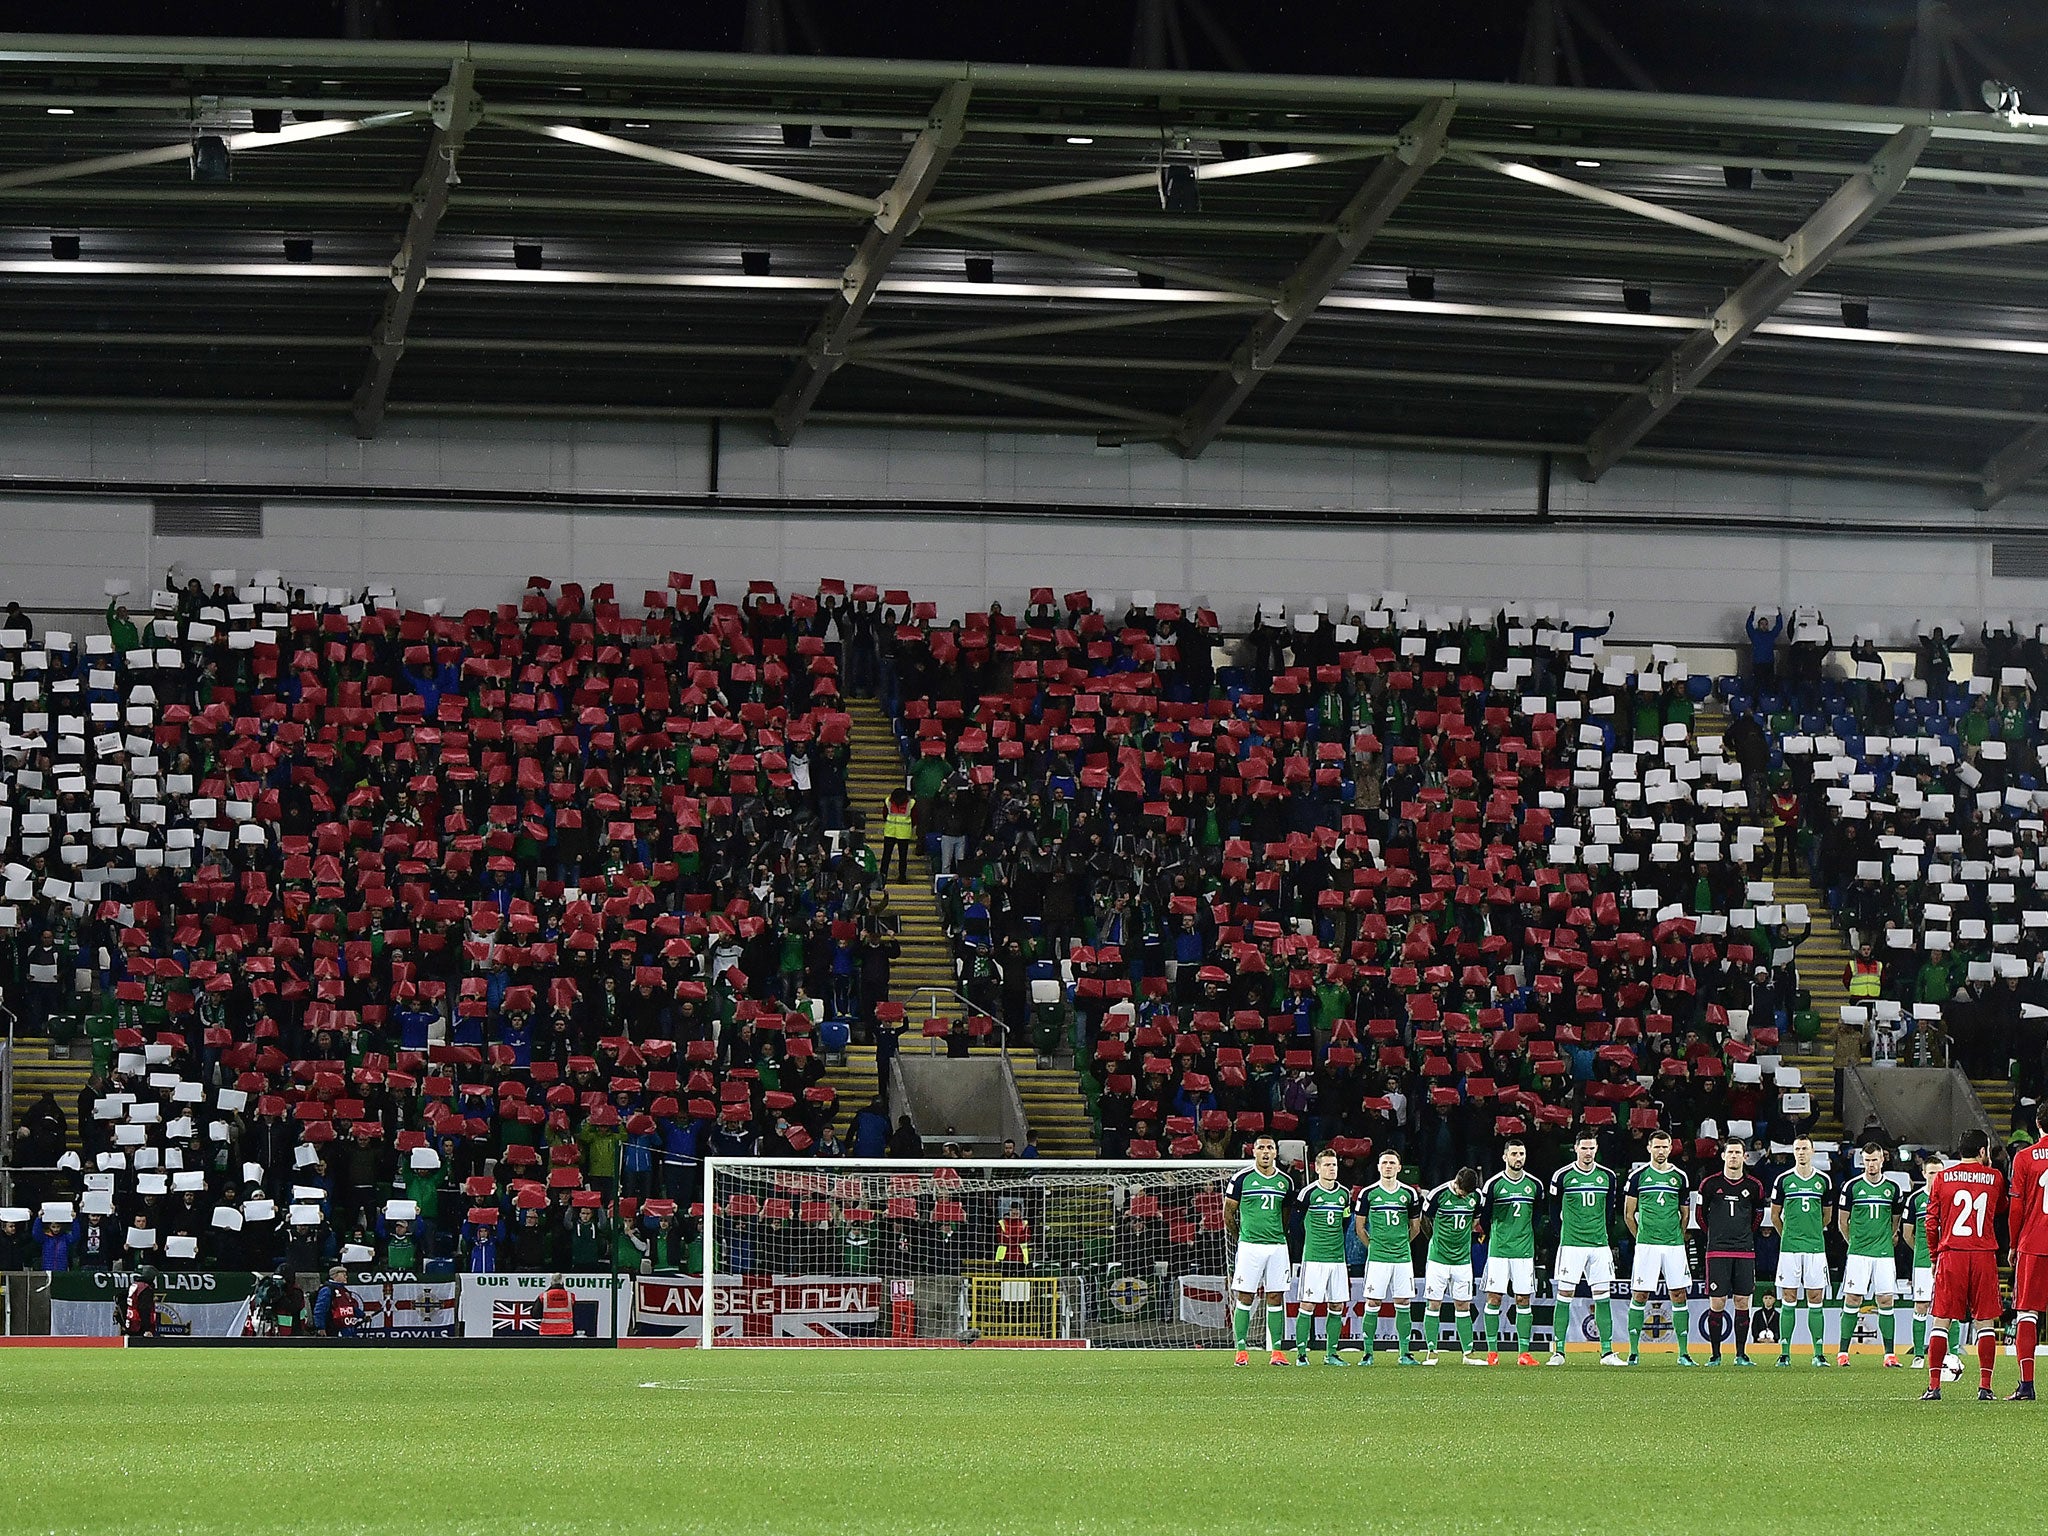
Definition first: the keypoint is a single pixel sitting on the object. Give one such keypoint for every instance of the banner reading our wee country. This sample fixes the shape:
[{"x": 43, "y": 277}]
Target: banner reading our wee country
[{"x": 507, "y": 1306}]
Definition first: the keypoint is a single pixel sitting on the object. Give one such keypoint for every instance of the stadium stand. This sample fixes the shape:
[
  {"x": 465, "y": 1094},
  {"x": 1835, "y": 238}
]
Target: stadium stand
[{"x": 512, "y": 915}]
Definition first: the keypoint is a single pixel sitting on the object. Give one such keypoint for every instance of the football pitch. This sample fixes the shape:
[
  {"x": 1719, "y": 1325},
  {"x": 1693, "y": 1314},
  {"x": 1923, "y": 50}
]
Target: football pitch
[{"x": 857, "y": 1441}]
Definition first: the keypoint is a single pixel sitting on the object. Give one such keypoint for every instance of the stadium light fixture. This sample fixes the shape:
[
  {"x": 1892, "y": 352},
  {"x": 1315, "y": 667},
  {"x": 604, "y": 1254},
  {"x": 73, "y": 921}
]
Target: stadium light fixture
[
  {"x": 2001, "y": 97},
  {"x": 58, "y": 111},
  {"x": 1076, "y": 138},
  {"x": 1178, "y": 191},
  {"x": 211, "y": 163}
]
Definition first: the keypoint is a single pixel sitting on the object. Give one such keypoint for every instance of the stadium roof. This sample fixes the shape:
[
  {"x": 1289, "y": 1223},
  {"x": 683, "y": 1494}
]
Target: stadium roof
[{"x": 1595, "y": 274}]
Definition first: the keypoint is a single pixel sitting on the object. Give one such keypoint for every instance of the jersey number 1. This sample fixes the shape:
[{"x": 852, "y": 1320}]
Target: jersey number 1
[{"x": 1969, "y": 1220}]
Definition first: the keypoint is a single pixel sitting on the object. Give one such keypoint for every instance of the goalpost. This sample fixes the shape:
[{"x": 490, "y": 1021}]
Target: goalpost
[{"x": 924, "y": 1252}]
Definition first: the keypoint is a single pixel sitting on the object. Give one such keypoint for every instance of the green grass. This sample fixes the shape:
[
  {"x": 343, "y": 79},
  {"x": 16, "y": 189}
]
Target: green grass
[{"x": 788, "y": 1441}]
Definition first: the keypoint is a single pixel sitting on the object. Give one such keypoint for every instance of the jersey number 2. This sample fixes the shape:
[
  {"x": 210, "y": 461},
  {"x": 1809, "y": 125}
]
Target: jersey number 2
[{"x": 1969, "y": 1220}]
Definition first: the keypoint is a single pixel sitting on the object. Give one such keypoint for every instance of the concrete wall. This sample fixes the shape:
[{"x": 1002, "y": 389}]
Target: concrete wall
[{"x": 1149, "y": 520}]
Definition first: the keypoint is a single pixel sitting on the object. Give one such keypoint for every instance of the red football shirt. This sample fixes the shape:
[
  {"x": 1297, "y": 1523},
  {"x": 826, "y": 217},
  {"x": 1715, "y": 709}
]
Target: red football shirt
[
  {"x": 2026, "y": 1218},
  {"x": 1962, "y": 1206}
]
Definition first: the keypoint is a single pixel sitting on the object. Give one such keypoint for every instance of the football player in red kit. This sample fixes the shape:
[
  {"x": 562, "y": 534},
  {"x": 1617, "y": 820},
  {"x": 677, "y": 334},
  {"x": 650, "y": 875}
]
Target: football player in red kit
[
  {"x": 2026, "y": 1223},
  {"x": 1962, "y": 1209}
]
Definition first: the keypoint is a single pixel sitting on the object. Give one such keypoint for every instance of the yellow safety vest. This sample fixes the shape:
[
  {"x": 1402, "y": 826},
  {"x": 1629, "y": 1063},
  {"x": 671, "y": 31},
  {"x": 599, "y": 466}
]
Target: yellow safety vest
[
  {"x": 897, "y": 826},
  {"x": 1865, "y": 982}
]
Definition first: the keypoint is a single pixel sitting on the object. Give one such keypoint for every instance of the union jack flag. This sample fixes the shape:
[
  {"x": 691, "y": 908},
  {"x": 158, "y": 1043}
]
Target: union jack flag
[{"x": 515, "y": 1317}]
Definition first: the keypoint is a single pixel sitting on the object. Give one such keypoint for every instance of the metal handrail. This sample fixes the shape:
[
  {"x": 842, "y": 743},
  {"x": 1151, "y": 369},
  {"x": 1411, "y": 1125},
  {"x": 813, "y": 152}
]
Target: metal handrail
[{"x": 973, "y": 1008}]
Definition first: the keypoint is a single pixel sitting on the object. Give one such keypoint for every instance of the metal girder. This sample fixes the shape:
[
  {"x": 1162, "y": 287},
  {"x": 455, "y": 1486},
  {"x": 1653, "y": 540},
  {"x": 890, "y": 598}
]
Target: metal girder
[
  {"x": 1011, "y": 239},
  {"x": 1643, "y": 208},
  {"x": 2012, "y": 467},
  {"x": 166, "y": 154},
  {"x": 703, "y": 166},
  {"x": 896, "y": 217},
  {"x": 1137, "y": 181},
  {"x": 954, "y": 379},
  {"x": 1123, "y": 319},
  {"x": 1369, "y": 208},
  {"x": 1832, "y": 226},
  {"x": 454, "y": 110}
]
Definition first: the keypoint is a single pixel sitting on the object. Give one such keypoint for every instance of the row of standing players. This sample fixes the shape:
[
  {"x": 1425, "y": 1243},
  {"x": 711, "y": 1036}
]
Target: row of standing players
[{"x": 1952, "y": 1213}]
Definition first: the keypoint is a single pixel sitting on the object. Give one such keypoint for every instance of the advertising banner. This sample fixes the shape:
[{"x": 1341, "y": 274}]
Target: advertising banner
[
  {"x": 189, "y": 1304},
  {"x": 759, "y": 1306},
  {"x": 398, "y": 1304},
  {"x": 507, "y": 1306}
]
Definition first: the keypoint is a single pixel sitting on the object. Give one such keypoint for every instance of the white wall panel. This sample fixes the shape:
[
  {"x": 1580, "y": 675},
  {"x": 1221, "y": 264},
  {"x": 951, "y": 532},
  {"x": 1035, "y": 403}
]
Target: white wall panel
[{"x": 1690, "y": 585}]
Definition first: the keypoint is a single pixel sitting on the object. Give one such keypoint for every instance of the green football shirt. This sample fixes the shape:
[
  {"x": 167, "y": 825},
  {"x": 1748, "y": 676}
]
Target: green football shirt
[
  {"x": 1916, "y": 1216},
  {"x": 1582, "y": 1196},
  {"x": 1509, "y": 1201},
  {"x": 1325, "y": 1213},
  {"x": 1873, "y": 1207},
  {"x": 1387, "y": 1213},
  {"x": 1660, "y": 1196},
  {"x": 1803, "y": 1201},
  {"x": 1451, "y": 1215},
  {"x": 1261, "y": 1205}
]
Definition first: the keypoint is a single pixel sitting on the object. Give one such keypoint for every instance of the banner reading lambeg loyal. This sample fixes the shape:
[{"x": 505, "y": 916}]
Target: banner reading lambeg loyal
[
  {"x": 189, "y": 1305},
  {"x": 759, "y": 1306}
]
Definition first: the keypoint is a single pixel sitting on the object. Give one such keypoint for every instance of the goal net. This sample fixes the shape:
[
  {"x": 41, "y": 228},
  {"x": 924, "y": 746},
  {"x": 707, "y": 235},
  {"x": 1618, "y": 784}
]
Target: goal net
[{"x": 912, "y": 1252}]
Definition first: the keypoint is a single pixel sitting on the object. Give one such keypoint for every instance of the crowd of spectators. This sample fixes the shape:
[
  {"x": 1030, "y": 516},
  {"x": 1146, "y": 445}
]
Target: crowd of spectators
[
  {"x": 427, "y": 936},
  {"x": 502, "y": 916}
]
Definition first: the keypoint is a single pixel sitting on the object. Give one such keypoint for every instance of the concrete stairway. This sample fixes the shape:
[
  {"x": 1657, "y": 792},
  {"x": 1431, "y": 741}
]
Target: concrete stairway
[
  {"x": 1052, "y": 1097},
  {"x": 1053, "y": 1106},
  {"x": 37, "y": 1072},
  {"x": 1822, "y": 960},
  {"x": 875, "y": 770}
]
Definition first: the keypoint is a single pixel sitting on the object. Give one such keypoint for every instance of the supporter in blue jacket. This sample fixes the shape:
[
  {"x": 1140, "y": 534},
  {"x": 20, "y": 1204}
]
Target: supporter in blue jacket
[
  {"x": 56, "y": 1243},
  {"x": 1763, "y": 646}
]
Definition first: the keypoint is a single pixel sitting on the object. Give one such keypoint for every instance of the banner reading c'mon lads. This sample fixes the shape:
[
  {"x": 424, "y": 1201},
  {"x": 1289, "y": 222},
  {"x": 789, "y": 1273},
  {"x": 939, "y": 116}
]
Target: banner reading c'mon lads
[{"x": 206, "y": 1304}]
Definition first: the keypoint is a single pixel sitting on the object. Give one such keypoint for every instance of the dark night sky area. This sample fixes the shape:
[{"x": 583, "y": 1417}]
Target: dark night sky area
[{"x": 1843, "y": 50}]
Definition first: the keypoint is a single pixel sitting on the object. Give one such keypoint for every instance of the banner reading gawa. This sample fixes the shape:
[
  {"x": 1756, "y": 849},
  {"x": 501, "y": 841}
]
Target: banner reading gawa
[
  {"x": 507, "y": 1306},
  {"x": 191, "y": 1305},
  {"x": 398, "y": 1304},
  {"x": 759, "y": 1306}
]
